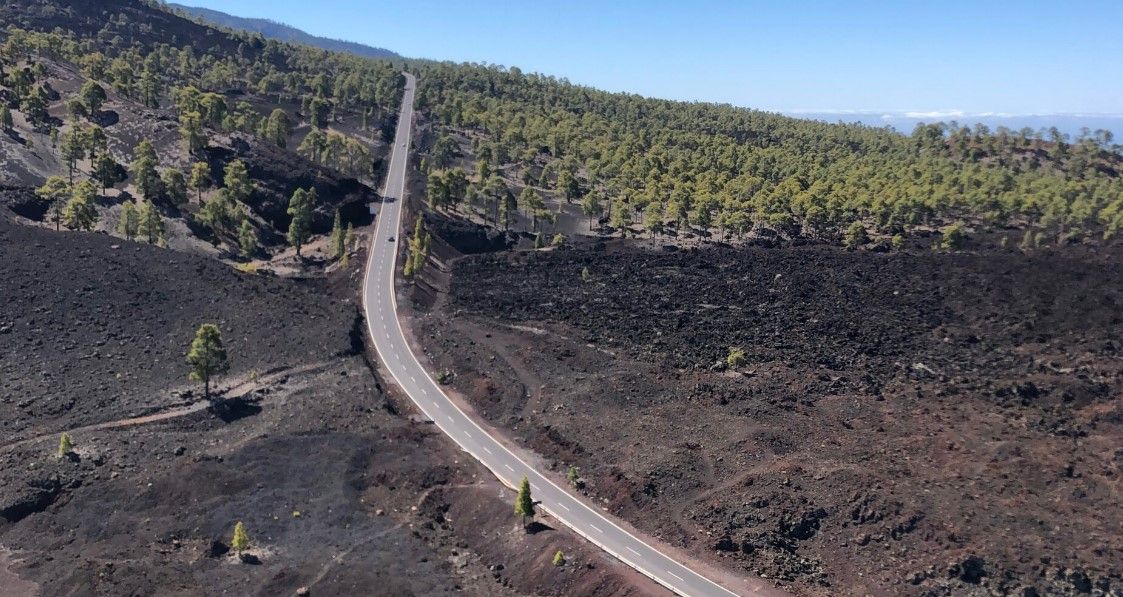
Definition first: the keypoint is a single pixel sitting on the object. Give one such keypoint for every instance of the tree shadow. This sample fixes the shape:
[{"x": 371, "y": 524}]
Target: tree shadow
[
  {"x": 233, "y": 409},
  {"x": 537, "y": 527}
]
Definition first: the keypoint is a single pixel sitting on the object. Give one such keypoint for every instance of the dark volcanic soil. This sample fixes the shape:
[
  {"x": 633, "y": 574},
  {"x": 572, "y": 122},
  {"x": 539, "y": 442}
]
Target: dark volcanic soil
[
  {"x": 338, "y": 491},
  {"x": 904, "y": 423}
]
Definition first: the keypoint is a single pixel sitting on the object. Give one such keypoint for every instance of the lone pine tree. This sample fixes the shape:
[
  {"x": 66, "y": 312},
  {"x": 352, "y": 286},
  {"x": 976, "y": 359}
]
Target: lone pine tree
[
  {"x": 524, "y": 503},
  {"x": 207, "y": 356}
]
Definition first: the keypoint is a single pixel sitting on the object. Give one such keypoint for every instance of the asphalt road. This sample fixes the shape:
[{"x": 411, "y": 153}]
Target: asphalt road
[{"x": 394, "y": 352}]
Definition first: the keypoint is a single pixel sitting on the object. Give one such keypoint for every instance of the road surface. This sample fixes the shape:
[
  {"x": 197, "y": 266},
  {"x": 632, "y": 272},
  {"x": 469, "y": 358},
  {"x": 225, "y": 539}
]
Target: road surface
[{"x": 394, "y": 352}]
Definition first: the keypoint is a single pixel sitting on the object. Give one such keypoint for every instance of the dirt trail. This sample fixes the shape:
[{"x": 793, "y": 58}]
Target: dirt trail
[{"x": 242, "y": 388}]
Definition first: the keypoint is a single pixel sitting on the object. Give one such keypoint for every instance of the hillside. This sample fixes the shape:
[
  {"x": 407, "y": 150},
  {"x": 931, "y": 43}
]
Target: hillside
[{"x": 282, "y": 32}]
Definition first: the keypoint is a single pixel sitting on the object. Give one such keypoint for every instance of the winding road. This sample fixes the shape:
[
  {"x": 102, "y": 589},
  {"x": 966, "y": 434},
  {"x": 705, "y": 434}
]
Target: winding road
[{"x": 385, "y": 330}]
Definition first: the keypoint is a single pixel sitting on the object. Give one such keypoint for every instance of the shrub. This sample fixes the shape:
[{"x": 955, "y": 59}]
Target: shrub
[
  {"x": 65, "y": 445},
  {"x": 241, "y": 540},
  {"x": 954, "y": 237},
  {"x": 573, "y": 475},
  {"x": 559, "y": 558},
  {"x": 585, "y": 275},
  {"x": 897, "y": 242},
  {"x": 736, "y": 357}
]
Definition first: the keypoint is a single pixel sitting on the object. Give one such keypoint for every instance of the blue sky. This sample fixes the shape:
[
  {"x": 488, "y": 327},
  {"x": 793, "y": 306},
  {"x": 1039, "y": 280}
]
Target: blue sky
[{"x": 981, "y": 56}]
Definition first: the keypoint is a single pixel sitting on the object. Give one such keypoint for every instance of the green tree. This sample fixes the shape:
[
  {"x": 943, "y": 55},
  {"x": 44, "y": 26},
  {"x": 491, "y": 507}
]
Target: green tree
[
  {"x": 247, "y": 239},
  {"x": 107, "y": 171},
  {"x": 6, "y": 123},
  {"x": 80, "y": 212},
  {"x": 856, "y": 235},
  {"x": 143, "y": 170},
  {"x": 65, "y": 445},
  {"x": 338, "y": 238},
  {"x": 897, "y": 242},
  {"x": 240, "y": 542},
  {"x": 559, "y": 558},
  {"x": 175, "y": 187},
  {"x": 93, "y": 95},
  {"x": 207, "y": 356},
  {"x": 129, "y": 222},
  {"x": 200, "y": 179},
  {"x": 192, "y": 133},
  {"x": 300, "y": 228},
  {"x": 592, "y": 207},
  {"x": 237, "y": 181},
  {"x": 278, "y": 127},
  {"x": 55, "y": 190},
  {"x": 72, "y": 149},
  {"x": 150, "y": 225},
  {"x": 585, "y": 275},
  {"x": 524, "y": 503},
  {"x": 558, "y": 240},
  {"x": 954, "y": 237}
]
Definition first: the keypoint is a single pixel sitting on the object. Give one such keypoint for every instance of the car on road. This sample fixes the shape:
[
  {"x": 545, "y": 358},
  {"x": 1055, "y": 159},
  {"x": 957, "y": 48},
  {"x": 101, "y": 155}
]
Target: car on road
[{"x": 391, "y": 239}]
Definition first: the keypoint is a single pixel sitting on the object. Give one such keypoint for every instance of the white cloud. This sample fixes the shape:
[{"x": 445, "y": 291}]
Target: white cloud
[{"x": 935, "y": 114}]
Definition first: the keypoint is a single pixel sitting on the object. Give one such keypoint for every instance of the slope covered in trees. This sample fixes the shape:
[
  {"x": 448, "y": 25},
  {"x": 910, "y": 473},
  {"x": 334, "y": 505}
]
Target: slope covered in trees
[
  {"x": 148, "y": 104},
  {"x": 283, "y": 32},
  {"x": 668, "y": 165}
]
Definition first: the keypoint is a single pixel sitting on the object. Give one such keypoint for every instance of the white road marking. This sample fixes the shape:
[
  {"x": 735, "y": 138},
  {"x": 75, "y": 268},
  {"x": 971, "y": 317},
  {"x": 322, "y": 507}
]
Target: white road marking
[
  {"x": 509, "y": 467},
  {"x": 594, "y": 527},
  {"x": 488, "y": 450},
  {"x": 674, "y": 575},
  {"x": 633, "y": 551},
  {"x": 565, "y": 507}
]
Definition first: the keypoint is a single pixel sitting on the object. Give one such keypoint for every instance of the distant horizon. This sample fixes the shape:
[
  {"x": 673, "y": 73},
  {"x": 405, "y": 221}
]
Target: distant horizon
[{"x": 999, "y": 60}]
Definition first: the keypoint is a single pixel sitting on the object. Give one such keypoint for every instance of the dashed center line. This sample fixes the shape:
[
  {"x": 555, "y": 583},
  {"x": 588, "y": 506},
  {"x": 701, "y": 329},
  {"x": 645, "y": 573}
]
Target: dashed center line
[
  {"x": 488, "y": 450},
  {"x": 565, "y": 507},
  {"x": 594, "y": 527},
  {"x": 674, "y": 575},
  {"x": 633, "y": 551},
  {"x": 509, "y": 467}
]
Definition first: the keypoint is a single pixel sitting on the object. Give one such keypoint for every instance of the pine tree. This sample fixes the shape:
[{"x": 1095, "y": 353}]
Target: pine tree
[
  {"x": 200, "y": 178},
  {"x": 207, "y": 356},
  {"x": 175, "y": 187},
  {"x": 55, "y": 190},
  {"x": 237, "y": 181},
  {"x": 72, "y": 148},
  {"x": 65, "y": 445},
  {"x": 337, "y": 237},
  {"x": 80, "y": 212},
  {"x": 524, "y": 503},
  {"x": 106, "y": 170},
  {"x": 150, "y": 224},
  {"x": 6, "y": 118},
  {"x": 247, "y": 239},
  {"x": 300, "y": 228},
  {"x": 241, "y": 540},
  {"x": 143, "y": 170},
  {"x": 129, "y": 222}
]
